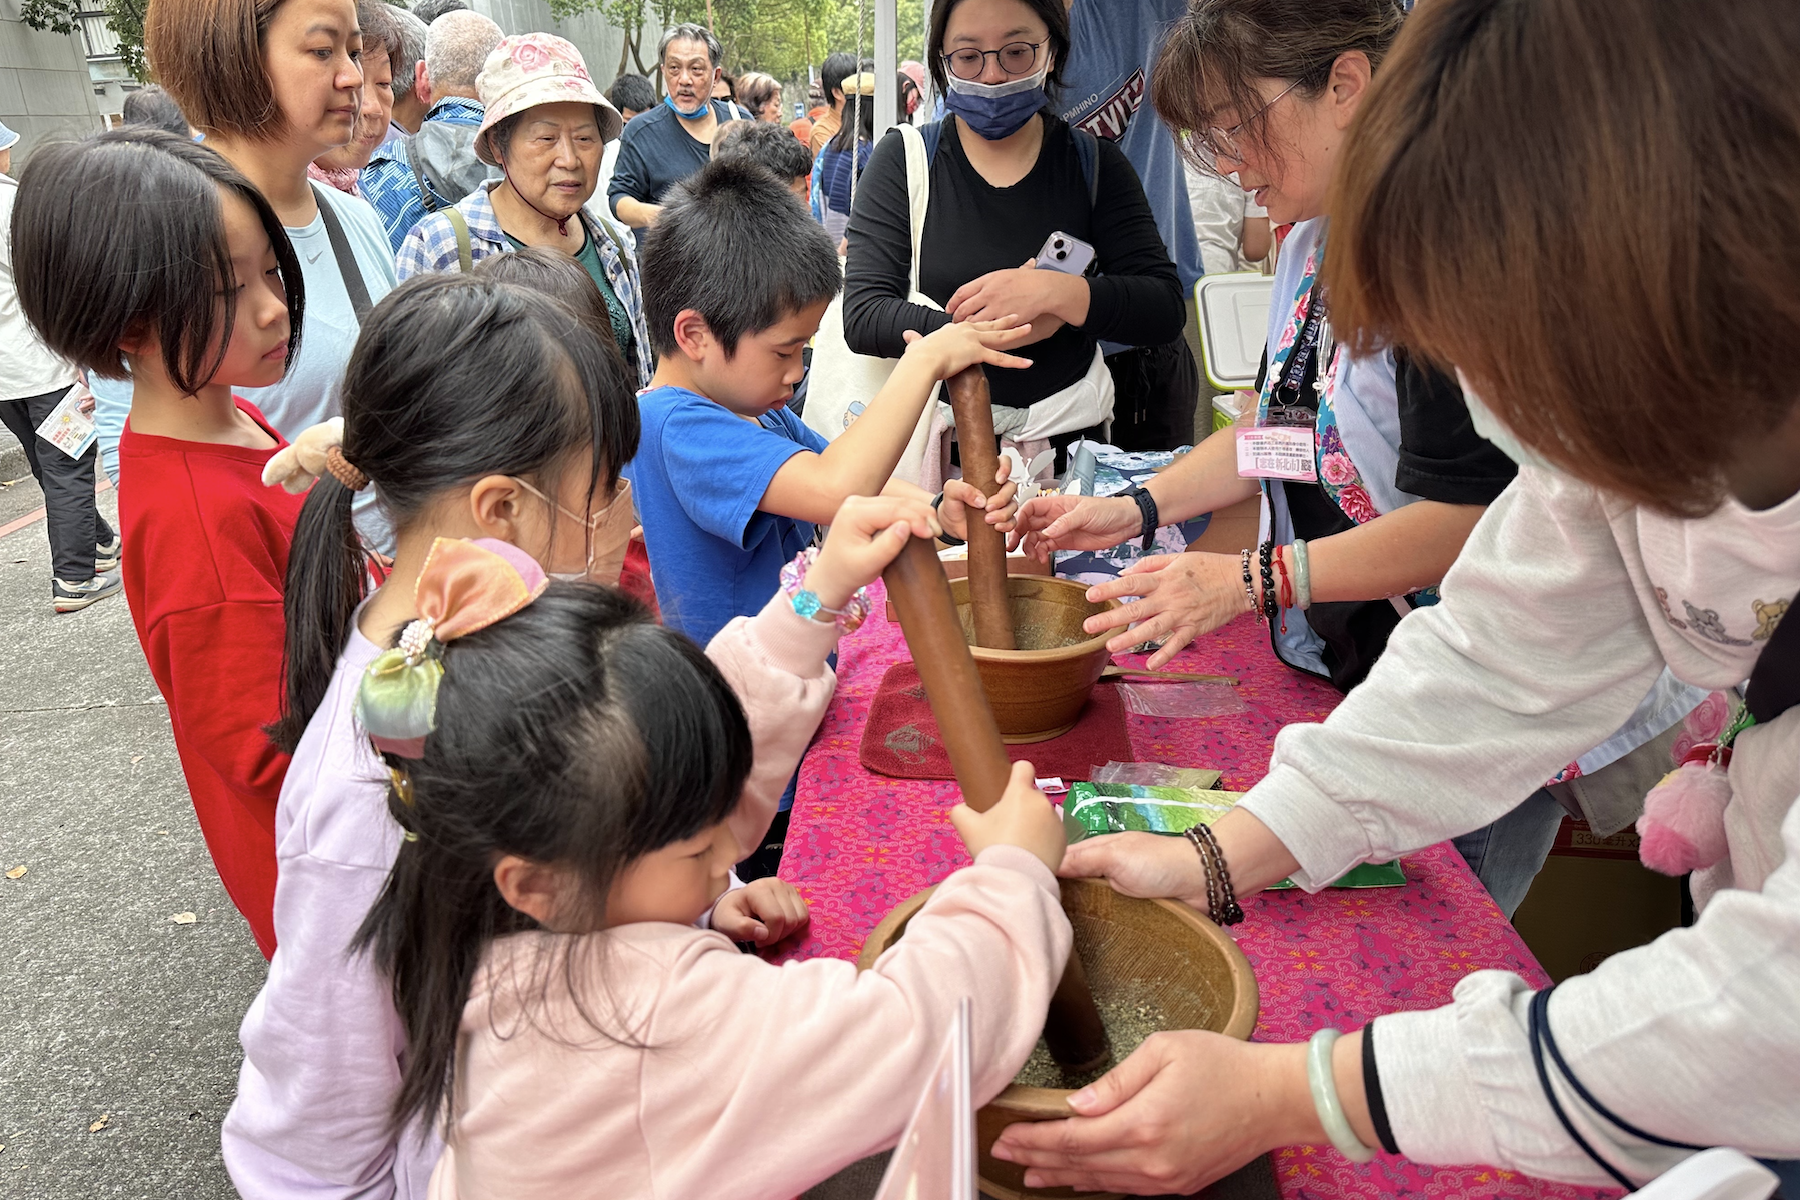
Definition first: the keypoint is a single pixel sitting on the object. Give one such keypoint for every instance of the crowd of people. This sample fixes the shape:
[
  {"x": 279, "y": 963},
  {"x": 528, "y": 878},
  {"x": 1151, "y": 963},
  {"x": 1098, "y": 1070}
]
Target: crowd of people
[{"x": 501, "y": 460}]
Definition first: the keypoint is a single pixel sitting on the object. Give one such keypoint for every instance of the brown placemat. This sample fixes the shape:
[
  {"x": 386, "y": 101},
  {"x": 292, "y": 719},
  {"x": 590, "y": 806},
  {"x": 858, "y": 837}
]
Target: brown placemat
[{"x": 901, "y": 739}]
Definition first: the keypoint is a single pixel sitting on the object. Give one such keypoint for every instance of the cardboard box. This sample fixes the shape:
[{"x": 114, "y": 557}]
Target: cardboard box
[{"x": 1593, "y": 899}]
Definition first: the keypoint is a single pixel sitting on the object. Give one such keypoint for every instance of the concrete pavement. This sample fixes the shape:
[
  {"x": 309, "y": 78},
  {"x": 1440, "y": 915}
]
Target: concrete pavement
[{"x": 109, "y": 1012}]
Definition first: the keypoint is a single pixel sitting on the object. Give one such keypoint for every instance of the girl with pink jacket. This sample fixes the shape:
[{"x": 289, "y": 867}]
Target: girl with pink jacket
[{"x": 570, "y": 778}]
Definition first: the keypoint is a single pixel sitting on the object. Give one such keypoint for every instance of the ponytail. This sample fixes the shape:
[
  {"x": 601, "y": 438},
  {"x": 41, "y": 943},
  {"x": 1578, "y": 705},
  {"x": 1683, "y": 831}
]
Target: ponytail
[{"x": 326, "y": 574}]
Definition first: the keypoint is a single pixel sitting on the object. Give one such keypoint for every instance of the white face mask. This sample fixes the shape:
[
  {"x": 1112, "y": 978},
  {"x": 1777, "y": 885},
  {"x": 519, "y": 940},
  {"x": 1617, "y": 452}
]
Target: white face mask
[
  {"x": 1495, "y": 430},
  {"x": 608, "y": 536}
]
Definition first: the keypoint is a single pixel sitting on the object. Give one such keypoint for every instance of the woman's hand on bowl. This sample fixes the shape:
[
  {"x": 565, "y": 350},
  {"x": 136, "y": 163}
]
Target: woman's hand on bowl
[
  {"x": 1186, "y": 1109},
  {"x": 1147, "y": 866},
  {"x": 1180, "y": 597}
]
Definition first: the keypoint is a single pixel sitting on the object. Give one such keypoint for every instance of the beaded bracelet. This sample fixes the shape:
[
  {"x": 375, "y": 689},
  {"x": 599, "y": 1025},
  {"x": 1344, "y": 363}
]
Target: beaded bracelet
[
  {"x": 1270, "y": 608},
  {"x": 1221, "y": 900},
  {"x": 848, "y": 619},
  {"x": 1249, "y": 582}
]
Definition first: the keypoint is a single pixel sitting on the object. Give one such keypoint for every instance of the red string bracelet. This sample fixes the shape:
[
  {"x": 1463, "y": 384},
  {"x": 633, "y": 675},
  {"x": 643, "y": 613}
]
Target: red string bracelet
[{"x": 1286, "y": 591}]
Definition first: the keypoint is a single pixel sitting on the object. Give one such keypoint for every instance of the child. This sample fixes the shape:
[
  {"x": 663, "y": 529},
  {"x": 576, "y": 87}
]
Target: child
[
  {"x": 558, "y": 275},
  {"x": 323, "y": 1046},
  {"x": 728, "y": 483},
  {"x": 179, "y": 278},
  {"x": 772, "y": 147},
  {"x": 571, "y": 813}
]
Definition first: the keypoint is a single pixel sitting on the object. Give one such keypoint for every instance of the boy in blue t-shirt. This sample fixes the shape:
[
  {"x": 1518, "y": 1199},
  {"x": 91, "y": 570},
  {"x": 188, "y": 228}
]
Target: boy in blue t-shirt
[{"x": 728, "y": 482}]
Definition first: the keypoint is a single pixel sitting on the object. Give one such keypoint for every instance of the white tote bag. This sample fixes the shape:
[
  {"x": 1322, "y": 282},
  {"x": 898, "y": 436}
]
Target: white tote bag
[{"x": 842, "y": 382}]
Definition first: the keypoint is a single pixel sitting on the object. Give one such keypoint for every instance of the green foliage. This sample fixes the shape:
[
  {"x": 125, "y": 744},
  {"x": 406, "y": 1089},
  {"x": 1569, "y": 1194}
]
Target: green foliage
[
  {"x": 125, "y": 16},
  {"x": 780, "y": 37}
]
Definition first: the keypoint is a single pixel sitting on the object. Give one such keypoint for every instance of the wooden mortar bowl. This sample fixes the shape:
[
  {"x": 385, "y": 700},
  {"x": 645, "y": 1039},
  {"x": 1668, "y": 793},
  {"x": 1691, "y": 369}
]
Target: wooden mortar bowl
[
  {"x": 1039, "y": 694},
  {"x": 1156, "y": 950}
]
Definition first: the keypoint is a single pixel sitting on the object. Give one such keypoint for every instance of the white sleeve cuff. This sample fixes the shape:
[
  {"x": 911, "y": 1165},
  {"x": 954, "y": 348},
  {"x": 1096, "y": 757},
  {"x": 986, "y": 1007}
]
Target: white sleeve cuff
[{"x": 1322, "y": 834}]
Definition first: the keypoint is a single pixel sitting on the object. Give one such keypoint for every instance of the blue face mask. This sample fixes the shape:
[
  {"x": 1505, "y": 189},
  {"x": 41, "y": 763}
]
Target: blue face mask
[
  {"x": 687, "y": 116},
  {"x": 997, "y": 110}
]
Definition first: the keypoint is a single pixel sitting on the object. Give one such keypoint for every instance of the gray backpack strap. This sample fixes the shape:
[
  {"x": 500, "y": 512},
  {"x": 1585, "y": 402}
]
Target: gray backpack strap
[
  {"x": 346, "y": 258},
  {"x": 426, "y": 196}
]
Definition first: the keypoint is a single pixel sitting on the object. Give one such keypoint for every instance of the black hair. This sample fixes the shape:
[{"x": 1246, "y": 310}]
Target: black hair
[
  {"x": 576, "y": 733},
  {"x": 1053, "y": 13},
  {"x": 125, "y": 231},
  {"x": 633, "y": 92},
  {"x": 556, "y": 274},
  {"x": 454, "y": 377},
  {"x": 833, "y": 71},
  {"x": 152, "y": 106},
  {"x": 732, "y": 245},
  {"x": 859, "y": 118},
  {"x": 430, "y": 10},
  {"x": 772, "y": 147}
]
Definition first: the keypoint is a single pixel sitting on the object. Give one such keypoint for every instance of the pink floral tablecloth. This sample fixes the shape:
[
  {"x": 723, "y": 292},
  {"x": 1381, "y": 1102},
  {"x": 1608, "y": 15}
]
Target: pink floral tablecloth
[{"x": 859, "y": 843}]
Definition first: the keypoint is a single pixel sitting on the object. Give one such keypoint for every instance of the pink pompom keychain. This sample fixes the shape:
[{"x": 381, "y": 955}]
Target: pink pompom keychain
[{"x": 1683, "y": 826}]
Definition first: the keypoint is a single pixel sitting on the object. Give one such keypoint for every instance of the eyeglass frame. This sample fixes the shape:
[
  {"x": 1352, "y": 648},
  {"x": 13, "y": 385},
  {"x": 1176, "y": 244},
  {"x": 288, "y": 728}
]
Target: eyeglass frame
[
  {"x": 1212, "y": 138},
  {"x": 1037, "y": 48}
]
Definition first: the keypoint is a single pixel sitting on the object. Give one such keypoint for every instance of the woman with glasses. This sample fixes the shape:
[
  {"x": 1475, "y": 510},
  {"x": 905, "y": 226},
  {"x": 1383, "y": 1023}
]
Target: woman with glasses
[
  {"x": 1381, "y": 474},
  {"x": 1637, "y": 357},
  {"x": 1006, "y": 174}
]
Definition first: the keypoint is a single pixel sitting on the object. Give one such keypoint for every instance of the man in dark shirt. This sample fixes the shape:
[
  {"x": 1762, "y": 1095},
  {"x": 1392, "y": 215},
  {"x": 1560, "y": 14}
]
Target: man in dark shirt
[{"x": 662, "y": 147}]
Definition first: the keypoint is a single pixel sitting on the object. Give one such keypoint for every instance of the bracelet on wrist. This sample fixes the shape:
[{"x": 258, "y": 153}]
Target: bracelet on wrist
[
  {"x": 1286, "y": 592},
  {"x": 848, "y": 619},
  {"x": 1265, "y": 559},
  {"x": 1322, "y": 1082},
  {"x": 1302, "y": 577},
  {"x": 1249, "y": 582},
  {"x": 1221, "y": 900}
]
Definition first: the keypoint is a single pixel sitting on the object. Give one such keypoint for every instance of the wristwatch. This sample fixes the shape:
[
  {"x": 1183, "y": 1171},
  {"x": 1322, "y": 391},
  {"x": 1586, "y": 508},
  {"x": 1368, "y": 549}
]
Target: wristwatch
[{"x": 1147, "y": 507}]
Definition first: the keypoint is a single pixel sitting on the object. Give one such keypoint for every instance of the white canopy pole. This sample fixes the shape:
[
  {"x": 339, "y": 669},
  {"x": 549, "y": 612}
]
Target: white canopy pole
[{"x": 887, "y": 65}]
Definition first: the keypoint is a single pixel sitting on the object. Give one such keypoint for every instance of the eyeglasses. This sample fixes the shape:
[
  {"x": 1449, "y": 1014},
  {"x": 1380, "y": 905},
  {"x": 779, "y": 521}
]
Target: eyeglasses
[
  {"x": 1216, "y": 143},
  {"x": 1015, "y": 58}
]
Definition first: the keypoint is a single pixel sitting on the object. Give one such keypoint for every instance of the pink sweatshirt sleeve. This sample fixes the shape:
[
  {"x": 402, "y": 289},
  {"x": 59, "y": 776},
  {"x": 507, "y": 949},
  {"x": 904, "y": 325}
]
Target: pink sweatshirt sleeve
[
  {"x": 785, "y": 1075},
  {"x": 775, "y": 662}
]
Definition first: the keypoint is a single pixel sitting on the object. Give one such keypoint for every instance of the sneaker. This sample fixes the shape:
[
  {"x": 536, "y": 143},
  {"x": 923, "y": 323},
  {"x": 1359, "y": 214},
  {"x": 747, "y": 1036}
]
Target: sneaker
[
  {"x": 73, "y": 597},
  {"x": 106, "y": 555}
]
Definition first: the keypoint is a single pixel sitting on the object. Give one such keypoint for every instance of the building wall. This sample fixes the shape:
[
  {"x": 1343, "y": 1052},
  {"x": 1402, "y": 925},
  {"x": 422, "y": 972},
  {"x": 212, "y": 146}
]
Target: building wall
[
  {"x": 598, "y": 42},
  {"x": 44, "y": 83}
]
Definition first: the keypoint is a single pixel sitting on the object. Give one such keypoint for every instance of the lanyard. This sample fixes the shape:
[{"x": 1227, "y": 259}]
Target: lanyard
[{"x": 1289, "y": 382}]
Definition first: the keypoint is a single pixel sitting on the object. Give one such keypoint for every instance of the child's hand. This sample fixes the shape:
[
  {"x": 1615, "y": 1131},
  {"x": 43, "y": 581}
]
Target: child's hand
[
  {"x": 1023, "y": 818},
  {"x": 960, "y": 495},
  {"x": 866, "y": 535},
  {"x": 963, "y": 344},
  {"x": 762, "y": 911}
]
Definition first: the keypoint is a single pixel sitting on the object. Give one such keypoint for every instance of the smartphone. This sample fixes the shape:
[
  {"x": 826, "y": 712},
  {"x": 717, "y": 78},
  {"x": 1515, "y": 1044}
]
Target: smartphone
[{"x": 1070, "y": 255}]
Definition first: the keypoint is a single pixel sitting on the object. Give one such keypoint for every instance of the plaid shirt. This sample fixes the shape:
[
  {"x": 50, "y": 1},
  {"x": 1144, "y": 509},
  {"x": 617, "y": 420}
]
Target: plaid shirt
[
  {"x": 431, "y": 246},
  {"x": 388, "y": 182}
]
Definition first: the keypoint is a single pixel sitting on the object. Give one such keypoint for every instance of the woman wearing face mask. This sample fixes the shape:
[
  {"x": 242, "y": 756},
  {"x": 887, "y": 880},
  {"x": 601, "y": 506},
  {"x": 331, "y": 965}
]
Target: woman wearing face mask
[
  {"x": 546, "y": 128},
  {"x": 1005, "y": 174},
  {"x": 1395, "y": 474}
]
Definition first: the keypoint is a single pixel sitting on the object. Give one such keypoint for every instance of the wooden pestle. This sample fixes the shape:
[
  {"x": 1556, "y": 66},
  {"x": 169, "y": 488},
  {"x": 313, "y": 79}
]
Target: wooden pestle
[
  {"x": 974, "y": 412},
  {"x": 921, "y": 596}
]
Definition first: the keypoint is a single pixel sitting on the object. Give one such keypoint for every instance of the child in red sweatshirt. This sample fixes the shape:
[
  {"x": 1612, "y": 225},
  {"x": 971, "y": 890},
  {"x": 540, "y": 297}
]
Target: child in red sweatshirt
[{"x": 187, "y": 278}]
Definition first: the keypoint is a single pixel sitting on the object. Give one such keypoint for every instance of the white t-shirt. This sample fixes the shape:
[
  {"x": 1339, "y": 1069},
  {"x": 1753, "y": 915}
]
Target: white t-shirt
[
  {"x": 27, "y": 368},
  {"x": 310, "y": 392},
  {"x": 1220, "y": 207}
]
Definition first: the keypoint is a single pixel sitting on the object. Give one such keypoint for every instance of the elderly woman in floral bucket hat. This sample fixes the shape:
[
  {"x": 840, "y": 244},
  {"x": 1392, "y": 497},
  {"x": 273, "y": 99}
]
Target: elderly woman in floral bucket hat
[{"x": 546, "y": 127}]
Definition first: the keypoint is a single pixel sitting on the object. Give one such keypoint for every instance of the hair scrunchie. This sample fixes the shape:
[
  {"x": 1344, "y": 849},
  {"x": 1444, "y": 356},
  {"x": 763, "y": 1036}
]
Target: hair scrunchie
[
  {"x": 344, "y": 471},
  {"x": 465, "y": 586}
]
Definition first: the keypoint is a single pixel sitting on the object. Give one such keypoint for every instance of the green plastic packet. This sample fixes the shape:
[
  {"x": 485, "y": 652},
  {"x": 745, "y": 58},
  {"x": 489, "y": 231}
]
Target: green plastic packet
[{"x": 1092, "y": 809}]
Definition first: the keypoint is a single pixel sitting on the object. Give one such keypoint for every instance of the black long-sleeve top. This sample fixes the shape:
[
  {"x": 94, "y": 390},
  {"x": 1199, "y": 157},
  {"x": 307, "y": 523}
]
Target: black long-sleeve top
[{"x": 973, "y": 227}]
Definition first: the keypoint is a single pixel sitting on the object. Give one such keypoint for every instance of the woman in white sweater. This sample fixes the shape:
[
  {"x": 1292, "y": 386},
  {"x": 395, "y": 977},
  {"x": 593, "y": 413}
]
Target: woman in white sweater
[{"x": 1592, "y": 208}]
